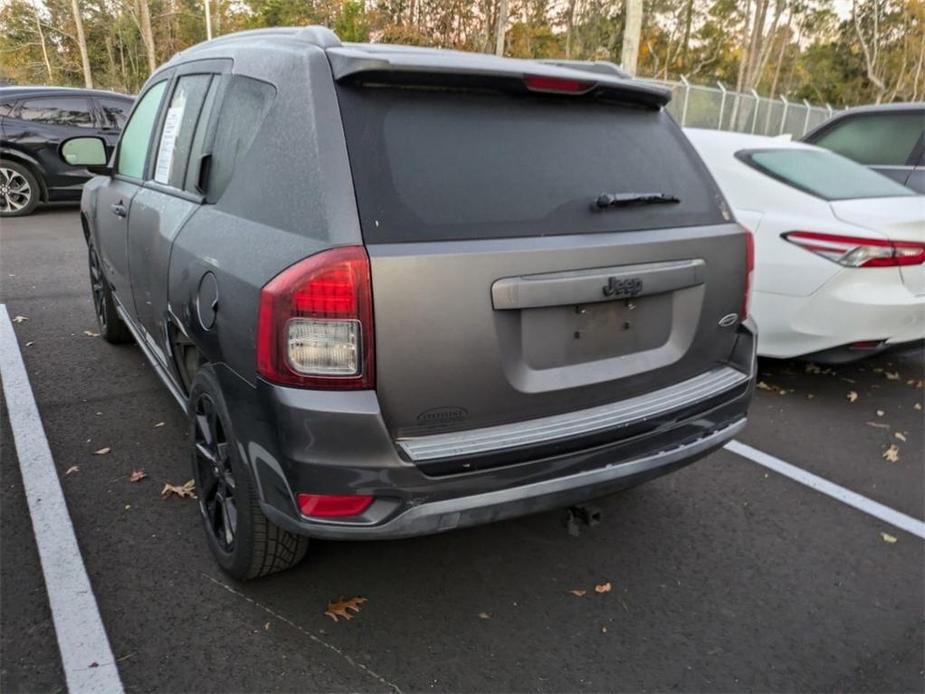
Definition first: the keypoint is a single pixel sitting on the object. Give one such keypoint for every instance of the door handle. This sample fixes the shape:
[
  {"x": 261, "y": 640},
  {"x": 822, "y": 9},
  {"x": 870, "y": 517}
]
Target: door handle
[{"x": 118, "y": 210}]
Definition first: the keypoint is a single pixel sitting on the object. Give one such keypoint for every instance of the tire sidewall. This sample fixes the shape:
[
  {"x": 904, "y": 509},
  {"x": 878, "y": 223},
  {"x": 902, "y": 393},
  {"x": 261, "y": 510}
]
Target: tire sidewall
[
  {"x": 26, "y": 173},
  {"x": 237, "y": 563}
]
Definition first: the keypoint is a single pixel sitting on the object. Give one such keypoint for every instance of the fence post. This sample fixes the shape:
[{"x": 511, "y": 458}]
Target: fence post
[
  {"x": 809, "y": 110},
  {"x": 755, "y": 114},
  {"x": 687, "y": 94},
  {"x": 722, "y": 104},
  {"x": 783, "y": 116},
  {"x": 830, "y": 109}
]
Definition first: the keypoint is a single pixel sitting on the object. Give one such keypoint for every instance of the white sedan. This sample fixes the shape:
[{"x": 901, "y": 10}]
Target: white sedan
[{"x": 839, "y": 249}]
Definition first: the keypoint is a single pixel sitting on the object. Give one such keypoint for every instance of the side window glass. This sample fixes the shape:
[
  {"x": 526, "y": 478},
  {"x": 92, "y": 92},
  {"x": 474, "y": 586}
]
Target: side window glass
[
  {"x": 179, "y": 127},
  {"x": 199, "y": 146},
  {"x": 115, "y": 112},
  {"x": 884, "y": 139},
  {"x": 133, "y": 147},
  {"x": 68, "y": 110},
  {"x": 244, "y": 106}
]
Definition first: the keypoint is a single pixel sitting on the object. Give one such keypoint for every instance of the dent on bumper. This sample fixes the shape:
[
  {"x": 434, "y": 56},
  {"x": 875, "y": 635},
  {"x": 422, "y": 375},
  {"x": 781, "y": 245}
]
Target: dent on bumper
[{"x": 448, "y": 514}]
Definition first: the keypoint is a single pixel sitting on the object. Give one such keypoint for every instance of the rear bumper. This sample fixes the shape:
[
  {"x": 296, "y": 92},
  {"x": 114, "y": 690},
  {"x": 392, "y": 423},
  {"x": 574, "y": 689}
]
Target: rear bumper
[
  {"x": 337, "y": 443},
  {"x": 476, "y": 509},
  {"x": 854, "y": 306}
]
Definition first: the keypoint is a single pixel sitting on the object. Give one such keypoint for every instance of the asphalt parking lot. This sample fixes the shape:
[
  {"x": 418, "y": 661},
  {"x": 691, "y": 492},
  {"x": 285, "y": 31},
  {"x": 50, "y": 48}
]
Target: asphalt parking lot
[{"x": 725, "y": 576}]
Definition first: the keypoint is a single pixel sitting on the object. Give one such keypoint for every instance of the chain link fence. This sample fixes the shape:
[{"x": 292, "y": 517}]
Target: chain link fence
[{"x": 718, "y": 108}]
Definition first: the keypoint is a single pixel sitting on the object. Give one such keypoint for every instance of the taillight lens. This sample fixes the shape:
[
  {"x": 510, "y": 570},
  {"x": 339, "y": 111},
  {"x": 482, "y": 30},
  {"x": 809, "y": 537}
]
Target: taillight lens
[
  {"x": 749, "y": 273},
  {"x": 557, "y": 85},
  {"x": 852, "y": 251},
  {"x": 315, "y": 323}
]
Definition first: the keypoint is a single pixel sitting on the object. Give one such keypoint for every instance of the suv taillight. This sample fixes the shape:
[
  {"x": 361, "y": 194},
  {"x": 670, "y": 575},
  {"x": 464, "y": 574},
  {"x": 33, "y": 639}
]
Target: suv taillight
[
  {"x": 852, "y": 251},
  {"x": 749, "y": 273},
  {"x": 315, "y": 323}
]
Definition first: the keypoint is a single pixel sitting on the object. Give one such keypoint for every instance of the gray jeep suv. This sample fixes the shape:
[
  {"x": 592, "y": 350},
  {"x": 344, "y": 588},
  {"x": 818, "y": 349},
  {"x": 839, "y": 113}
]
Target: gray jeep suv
[{"x": 400, "y": 291}]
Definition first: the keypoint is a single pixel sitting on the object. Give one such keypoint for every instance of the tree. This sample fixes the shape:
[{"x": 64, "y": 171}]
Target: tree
[
  {"x": 82, "y": 44},
  {"x": 631, "y": 32}
]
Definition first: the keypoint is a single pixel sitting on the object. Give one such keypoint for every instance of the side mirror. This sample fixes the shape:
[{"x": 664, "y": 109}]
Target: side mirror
[{"x": 89, "y": 152}]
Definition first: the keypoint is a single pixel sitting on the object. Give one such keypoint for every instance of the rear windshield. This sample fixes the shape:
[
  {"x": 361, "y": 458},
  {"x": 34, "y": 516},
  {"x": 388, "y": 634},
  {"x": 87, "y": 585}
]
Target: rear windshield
[
  {"x": 445, "y": 165},
  {"x": 824, "y": 174}
]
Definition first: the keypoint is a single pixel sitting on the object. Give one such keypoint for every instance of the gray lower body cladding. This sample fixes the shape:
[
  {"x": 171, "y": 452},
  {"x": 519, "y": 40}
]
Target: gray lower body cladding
[{"x": 337, "y": 443}]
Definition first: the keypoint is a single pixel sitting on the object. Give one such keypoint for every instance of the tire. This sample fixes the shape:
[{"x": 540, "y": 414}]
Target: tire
[
  {"x": 111, "y": 327},
  {"x": 19, "y": 190},
  {"x": 243, "y": 541}
]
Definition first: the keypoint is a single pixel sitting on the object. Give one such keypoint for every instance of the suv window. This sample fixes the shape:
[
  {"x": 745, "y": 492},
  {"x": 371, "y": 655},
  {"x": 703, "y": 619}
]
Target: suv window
[
  {"x": 884, "y": 139},
  {"x": 59, "y": 110},
  {"x": 443, "y": 165},
  {"x": 823, "y": 174},
  {"x": 244, "y": 106},
  {"x": 133, "y": 147},
  {"x": 179, "y": 126},
  {"x": 115, "y": 112}
]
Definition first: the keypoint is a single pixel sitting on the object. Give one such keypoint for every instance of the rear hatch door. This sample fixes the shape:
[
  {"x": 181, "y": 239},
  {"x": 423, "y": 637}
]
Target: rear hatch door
[{"x": 501, "y": 291}]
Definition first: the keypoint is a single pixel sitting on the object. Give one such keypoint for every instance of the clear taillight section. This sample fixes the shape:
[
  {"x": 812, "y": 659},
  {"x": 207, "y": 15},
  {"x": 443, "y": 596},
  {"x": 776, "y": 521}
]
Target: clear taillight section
[
  {"x": 315, "y": 323},
  {"x": 852, "y": 251}
]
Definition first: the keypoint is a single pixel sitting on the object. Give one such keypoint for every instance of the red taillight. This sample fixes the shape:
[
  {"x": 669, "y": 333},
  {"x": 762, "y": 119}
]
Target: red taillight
[
  {"x": 537, "y": 83},
  {"x": 315, "y": 323},
  {"x": 749, "y": 273},
  {"x": 327, "y": 506},
  {"x": 852, "y": 251}
]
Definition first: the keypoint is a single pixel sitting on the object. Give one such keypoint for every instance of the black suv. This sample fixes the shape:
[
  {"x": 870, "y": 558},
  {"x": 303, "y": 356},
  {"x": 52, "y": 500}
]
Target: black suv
[
  {"x": 400, "y": 291},
  {"x": 34, "y": 121}
]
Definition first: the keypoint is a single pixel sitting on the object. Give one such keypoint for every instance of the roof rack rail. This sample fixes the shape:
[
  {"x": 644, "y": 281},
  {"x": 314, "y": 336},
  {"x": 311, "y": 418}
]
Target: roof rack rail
[
  {"x": 316, "y": 35},
  {"x": 599, "y": 66}
]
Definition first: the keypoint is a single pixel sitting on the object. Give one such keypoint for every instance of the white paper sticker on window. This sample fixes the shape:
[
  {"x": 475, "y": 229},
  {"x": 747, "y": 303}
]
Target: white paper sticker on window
[{"x": 168, "y": 141}]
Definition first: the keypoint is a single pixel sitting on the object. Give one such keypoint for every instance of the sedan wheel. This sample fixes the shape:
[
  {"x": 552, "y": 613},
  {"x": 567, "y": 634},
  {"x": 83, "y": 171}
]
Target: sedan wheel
[{"x": 16, "y": 191}]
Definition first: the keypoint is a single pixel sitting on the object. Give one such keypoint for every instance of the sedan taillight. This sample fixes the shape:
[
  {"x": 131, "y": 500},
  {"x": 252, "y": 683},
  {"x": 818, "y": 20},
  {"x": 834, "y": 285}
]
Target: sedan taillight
[
  {"x": 315, "y": 323},
  {"x": 853, "y": 251}
]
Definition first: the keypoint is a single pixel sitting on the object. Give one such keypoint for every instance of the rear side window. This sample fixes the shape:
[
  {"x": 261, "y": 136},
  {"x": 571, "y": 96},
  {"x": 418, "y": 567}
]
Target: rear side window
[
  {"x": 244, "y": 106},
  {"x": 885, "y": 139},
  {"x": 66, "y": 110},
  {"x": 133, "y": 147},
  {"x": 823, "y": 174},
  {"x": 442, "y": 165},
  {"x": 179, "y": 126},
  {"x": 115, "y": 112}
]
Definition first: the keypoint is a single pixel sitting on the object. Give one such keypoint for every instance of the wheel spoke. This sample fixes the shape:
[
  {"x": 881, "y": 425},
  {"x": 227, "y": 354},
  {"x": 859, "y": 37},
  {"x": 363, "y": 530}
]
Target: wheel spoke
[{"x": 229, "y": 519}]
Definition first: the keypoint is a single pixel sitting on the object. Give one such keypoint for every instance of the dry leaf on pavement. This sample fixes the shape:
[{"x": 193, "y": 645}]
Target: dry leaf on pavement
[
  {"x": 602, "y": 587},
  {"x": 878, "y": 425},
  {"x": 892, "y": 375},
  {"x": 918, "y": 406},
  {"x": 889, "y": 539},
  {"x": 852, "y": 396},
  {"x": 187, "y": 489},
  {"x": 484, "y": 615},
  {"x": 102, "y": 451},
  {"x": 892, "y": 453},
  {"x": 901, "y": 436},
  {"x": 880, "y": 413},
  {"x": 158, "y": 425},
  {"x": 342, "y": 608},
  {"x": 19, "y": 319},
  {"x": 90, "y": 333},
  {"x": 578, "y": 593},
  {"x": 72, "y": 469},
  {"x": 137, "y": 476}
]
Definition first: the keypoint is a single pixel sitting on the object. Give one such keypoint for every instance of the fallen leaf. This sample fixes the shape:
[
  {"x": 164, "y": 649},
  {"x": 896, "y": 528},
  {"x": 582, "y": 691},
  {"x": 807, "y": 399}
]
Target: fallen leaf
[
  {"x": 266, "y": 627},
  {"x": 90, "y": 333},
  {"x": 102, "y": 451},
  {"x": 128, "y": 506},
  {"x": 852, "y": 396},
  {"x": 889, "y": 539},
  {"x": 813, "y": 369},
  {"x": 72, "y": 469},
  {"x": 891, "y": 454},
  {"x": 761, "y": 385},
  {"x": 880, "y": 413},
  {"x": 29, "y": 344},
  {"x": 878, "y": 425},
  {"x": 901, "y": 436},
  {"x": 602, "y": 587},
  {"x": 892, "y": 375},
  {"x": 137, "y": 476},
  {"x": 918, "y": 406},
  {"x": 342, "y": 608},
  {"x": 187, "y": 489},
  {"x": 810, "y": 396},
  {"x": 158, "y": 425},
  {"x": 603, "y": 630},
  {"x": 578, "y": 593},
  {"x": 19, "y": 319},
  {"x": 482, "y": 615}
]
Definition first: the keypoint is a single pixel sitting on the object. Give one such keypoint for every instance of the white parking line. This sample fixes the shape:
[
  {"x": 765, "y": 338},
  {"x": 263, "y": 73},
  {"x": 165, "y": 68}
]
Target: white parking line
[
  {"x": 861, "y": 503},
  {"x": 85, "y": 653}
]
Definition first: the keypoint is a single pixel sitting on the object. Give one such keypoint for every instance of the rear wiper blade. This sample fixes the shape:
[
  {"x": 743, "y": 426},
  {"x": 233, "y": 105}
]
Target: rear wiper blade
[{"x": 608, "y": 200}]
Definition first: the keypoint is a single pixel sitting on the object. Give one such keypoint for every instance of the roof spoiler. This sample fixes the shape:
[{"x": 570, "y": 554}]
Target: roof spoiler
[{"x": 374, "y": 64}]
